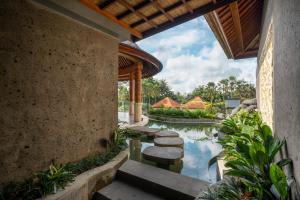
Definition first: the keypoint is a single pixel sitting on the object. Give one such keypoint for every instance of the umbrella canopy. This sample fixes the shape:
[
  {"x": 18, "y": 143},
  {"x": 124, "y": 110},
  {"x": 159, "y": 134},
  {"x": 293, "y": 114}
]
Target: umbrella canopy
[
  {"x": 167, "y": 103},
  {"x": 196, "y": 103}
]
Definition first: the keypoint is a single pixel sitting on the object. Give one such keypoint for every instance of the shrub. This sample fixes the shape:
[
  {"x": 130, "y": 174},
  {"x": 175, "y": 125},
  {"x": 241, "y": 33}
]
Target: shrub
[
  {"x": 250, "y": 149},
  {"x": 178, "y": 113}
]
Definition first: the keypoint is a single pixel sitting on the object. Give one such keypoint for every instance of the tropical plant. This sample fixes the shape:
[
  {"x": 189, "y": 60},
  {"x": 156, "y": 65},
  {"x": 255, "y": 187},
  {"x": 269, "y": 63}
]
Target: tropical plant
[{"x": 250, "y": 150}]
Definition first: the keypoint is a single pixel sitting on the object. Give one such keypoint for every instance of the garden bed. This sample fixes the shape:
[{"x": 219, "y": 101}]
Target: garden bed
[
  {"x": 87, "y": 183},
  {"x": 183, "y": 120}
]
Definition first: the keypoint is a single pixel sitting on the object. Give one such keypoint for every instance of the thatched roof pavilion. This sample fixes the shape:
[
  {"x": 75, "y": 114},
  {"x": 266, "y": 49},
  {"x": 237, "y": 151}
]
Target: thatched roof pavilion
[
  {"x": 196, "y": 103},
  {"x": 166, "y": 103}
]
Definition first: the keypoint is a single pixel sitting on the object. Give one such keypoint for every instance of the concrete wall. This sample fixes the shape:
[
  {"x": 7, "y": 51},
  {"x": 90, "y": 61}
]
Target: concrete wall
[
  {"x": 285, "y": 19},
  {"x": 58, "y": 89}
]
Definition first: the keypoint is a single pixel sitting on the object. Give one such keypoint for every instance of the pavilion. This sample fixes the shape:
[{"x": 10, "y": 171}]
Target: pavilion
[
  {"x": 167, "y": 102},
  {"x": 135, "y": 64},
  {"x": 195, "y": 103}
]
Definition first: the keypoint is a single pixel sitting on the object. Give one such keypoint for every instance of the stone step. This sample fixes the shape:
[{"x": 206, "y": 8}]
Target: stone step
[
  {"x": 163, "y": 155},
  {"x": 119, "y": 190},
  {"x": 145, "y": 130},
  {"x": 164, "y": 183},
  {"x": 166, "y": 133},
  {"x": 169, "y": 142}
]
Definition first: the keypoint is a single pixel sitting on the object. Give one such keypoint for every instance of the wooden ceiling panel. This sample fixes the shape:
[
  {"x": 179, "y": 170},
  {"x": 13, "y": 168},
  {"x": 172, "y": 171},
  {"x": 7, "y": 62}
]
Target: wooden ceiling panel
[
  {"x": 144, "y": 18},
  {"x": 239, "y": 27}
]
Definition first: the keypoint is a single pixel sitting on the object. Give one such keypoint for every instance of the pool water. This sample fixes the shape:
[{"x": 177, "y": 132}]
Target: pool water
[{"x": 200, "y": 145}]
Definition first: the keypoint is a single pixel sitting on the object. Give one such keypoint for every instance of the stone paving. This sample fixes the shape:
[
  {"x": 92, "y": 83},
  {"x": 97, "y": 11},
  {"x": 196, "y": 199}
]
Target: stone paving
[
  {"x": 166, "y": 133},
  {"x": 169, "y": 142}
]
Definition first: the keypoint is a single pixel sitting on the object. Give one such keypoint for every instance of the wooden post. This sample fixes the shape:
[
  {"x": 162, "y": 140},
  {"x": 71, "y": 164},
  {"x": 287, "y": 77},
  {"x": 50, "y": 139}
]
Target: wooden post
[
  {"x": 131, "y": 93},
  {"x": 138, "y": 92}
]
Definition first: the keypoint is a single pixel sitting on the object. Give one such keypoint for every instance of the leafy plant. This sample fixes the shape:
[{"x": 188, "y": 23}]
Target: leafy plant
[{"x": 250, "y": 148}]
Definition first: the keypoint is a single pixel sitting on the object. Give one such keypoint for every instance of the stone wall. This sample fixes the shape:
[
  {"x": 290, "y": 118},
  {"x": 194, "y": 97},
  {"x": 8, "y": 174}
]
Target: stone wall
[
  {"x": 285, "y": 19},
  {"x": 58, "y": 89},
  {"x": 265, "y": 79}
]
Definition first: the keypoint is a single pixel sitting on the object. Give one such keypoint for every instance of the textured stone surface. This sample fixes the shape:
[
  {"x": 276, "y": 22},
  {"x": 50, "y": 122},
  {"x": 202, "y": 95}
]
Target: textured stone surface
[
  {"x": 145, "y": 130},
  {"x": 285, "y": 19},
  {"x": 265, "y": 79},
  {"x": 163, "y": 155},
  {"x": 165, "y": 183},
  {"x": 120, "y": 190},
  {"x": 58, "y": 85},
  {"x": 166, "y": 134},
  {"x": 169, "y": 142}
]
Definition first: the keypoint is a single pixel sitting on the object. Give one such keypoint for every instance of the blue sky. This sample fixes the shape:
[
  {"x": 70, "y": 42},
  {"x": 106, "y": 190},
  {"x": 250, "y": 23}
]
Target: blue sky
[{"x": 191, "y": 55}]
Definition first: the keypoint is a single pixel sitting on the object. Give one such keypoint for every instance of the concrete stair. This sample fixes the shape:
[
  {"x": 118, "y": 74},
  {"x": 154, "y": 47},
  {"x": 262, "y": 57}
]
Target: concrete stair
[{"x": 135, "y": 180}]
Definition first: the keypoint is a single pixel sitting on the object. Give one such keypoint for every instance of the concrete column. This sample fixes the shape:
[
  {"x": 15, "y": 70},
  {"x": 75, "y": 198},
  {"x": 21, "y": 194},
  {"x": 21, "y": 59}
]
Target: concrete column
[
  {"x": 131, "y": 93},
  {"x": 138, "y": 92}
]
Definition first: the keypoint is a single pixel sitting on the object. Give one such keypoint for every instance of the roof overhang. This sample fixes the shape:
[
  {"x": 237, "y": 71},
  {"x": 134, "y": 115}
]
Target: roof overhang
[
  {"x": 237, "y": 27},
  {"x": 144, "y": 18},
  {"x": 77, "y": 11}
]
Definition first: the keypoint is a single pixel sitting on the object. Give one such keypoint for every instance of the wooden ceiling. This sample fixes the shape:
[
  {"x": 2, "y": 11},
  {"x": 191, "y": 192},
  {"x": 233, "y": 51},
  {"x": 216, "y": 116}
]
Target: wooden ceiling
[
  {"x": 237, "y": 27},
  {"x": 129, "y": 55},
  {"x": 144, "y": 18}
]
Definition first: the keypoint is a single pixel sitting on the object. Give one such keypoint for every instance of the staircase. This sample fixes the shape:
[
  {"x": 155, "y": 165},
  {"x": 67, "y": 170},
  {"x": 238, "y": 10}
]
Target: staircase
[{"x": 138, "y": 181}]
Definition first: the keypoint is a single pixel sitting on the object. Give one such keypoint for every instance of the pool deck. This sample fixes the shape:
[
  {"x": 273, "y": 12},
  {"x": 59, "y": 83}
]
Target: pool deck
[{"x": 131, "y": 123}]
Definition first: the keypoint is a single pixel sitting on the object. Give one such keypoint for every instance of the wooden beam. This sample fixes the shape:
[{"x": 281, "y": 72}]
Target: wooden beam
[
  {"x": 94, "y": 7},
  {"x": 187, "y": 6},
  {"x": 186, "y": 17},
  {"x": 106, "y": 3},
  {"x": 136, "y": 12},
  {"x": 136, "y": 7},
  {"x": 237, "y": 24},
  {"x": 158, "y": 6},
  {"x": 252, "y": 42},
  {"x": 127, "y": 70},
  {"x": 158, "y": 13}
]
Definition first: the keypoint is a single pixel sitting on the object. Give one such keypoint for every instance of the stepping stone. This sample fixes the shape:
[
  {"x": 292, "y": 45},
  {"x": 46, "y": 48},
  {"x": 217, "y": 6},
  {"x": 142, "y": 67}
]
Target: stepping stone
[
  {"x": 169, "y": 142},
  {"x": 157, "y": 181},
  {"x": 119, "y": 190},
  {"x": 163, "y": 155},
  {"x": 145, "y": 130},
  {"x": 166, "y": 134}
]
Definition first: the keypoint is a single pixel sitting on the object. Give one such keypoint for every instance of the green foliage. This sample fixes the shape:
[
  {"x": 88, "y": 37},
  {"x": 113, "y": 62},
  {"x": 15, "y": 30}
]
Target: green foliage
[
  {"x": 58, "y": 176},
  {"x": 178, "y": 113},
  {"x": 128, "y": 133},
  {"x": 250, "y": 149},
  {"x": 227, "y": 189}
]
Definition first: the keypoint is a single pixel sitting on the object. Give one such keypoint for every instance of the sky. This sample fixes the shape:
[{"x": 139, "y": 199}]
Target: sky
[{"x": 192, "y": 56}]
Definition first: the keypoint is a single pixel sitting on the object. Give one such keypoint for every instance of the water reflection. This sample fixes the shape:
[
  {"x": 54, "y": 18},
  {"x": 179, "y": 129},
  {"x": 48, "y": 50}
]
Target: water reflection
[{"x": 197, "y": 151}]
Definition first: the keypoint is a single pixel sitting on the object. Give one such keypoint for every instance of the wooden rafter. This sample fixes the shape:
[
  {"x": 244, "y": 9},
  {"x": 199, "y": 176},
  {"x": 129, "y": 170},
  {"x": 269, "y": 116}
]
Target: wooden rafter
[
  {"x": 106, "y": 3},
  {"x": 94, "y": 7},
  {"x": 158, "y": 13},
  {"x": 237, "y": 24},
  {"x": 138, "y": 13},
  {"x": 158, "y": 6},
  {"x": 186, "y": 17},
  {"x": 136, "y": 7},
  {"x": 252, "y": 42},
  {"x": 187, "y": 6}
]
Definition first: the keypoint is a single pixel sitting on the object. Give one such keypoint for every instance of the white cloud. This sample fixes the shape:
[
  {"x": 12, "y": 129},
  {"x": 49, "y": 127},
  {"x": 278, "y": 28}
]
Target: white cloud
[
  {"x": 185, "y": 72},
  {"x": 192, "y": 56}
]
